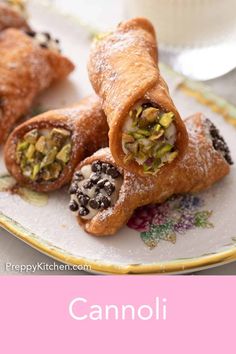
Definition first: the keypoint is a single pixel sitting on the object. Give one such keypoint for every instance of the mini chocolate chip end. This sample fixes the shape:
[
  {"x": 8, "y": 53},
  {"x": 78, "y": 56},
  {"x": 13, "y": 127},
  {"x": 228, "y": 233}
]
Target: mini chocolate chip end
[
  {"x": 95, "y": 178},
  {"x": 94, "y": 204},
  {"x": 83, "y": 211},
  {"x": 105, "y": 202},
  {"x": 219, "y": 142},
  {"x": 73, "y": 188},
  {"x": 109, "y": 188},
  {"x": 101, "y": 183},
  {"x": 83, "y": 199},
  {"x": 78, "y": 176},
  {"x": 96, "y": 166},
  {"x": 88, "y": 185},
  {"x": 113, "y": 172},
  {"x": 73, "y": 206}
]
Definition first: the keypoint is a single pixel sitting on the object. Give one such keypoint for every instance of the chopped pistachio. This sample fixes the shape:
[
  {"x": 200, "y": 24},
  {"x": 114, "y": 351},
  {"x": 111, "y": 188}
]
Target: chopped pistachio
[
  {"x": 150, "y": 114},
  {"x": 172, "y": 156},
  {"x": 127, "y": 138},
  {"x": 30, "y": 151},
  {"x": 64, "y": 153},
  {"x": 128, "y": 157},
  {"x": 166, "y": 119},
  {"x": 163, "y": 150},
  {"x": 50, "y": 157},
  {"x": 137, "y": 136},
  {"x": 22, "y": 145},
  {"x": 143, "y": 132},
  {"x": 58, "y": 136},
  {"x": 55, "y": 170},
  {"x": 157, "y": 135},
  {"x": 138, "y": 111},
  {"x": 36, "y": 170},
  {"x": 41, "y": 145},
  {"x": 45, "y": 174},
  {"x": 32, "y": 136}
]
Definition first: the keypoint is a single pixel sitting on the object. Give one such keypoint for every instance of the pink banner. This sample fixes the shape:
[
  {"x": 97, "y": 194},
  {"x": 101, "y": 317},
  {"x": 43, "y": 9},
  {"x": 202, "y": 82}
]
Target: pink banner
[{"x": 119, "y": 314}]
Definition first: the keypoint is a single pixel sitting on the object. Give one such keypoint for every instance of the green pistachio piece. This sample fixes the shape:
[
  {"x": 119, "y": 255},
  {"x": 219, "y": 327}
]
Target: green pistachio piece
[
  {"x": 157, "y": 135},
  {"x": 137, "y": 136},
  {"x": 163, "y": 150},
  {"x": 55, "y": 170},
  {"x": 49, "y": 158},
  {"x": 157, "y": 128},
  {"x": 166, "y": 119},
  {"x": 172, "y": 156},
  {"x": 22, "y": 145},
  {"x": 46, "y": 176},
  {"x": 40, "y": 146},
  {"x": 64, "y": 153},
  {"x": 128, "y": 157},
  {"x": 58, "y": 136},
  {"x": 138, "y": 111},
  {"x": 36, "y": 170},
  {"x": 143, "y": 132},
  {"x": 32, "y": 136},
  {"x": 132, "y": 147},
  {"x": 127, "y": 138},
  {"x": 30, "y": 152},
  {"x": 150, "y": 114},
  {"x": 27, "y": 171}
]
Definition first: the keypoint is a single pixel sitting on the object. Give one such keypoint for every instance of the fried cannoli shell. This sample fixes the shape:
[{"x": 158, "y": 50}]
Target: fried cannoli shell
[
  {"x": 25, "y": 70},
  {"x": 123, "y": 70},
  {"x": 88, "y": 126},
  {"x": 201, "y": 167},
  {"x": 10, "y": 18}
]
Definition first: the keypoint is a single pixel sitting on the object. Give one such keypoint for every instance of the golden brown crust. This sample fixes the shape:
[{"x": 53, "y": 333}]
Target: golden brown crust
[
  {"x": 9, "y": 18},
  {"x": 89, "y": 128},
  {"x": 197, "y": 170},
  {"x": 123, "y": 70},
  {"x": 25, "y": 70}
]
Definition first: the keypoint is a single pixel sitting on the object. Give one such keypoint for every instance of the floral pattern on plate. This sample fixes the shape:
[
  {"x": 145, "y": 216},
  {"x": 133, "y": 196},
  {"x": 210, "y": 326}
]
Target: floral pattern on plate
[{"x": 164, "y": 221}]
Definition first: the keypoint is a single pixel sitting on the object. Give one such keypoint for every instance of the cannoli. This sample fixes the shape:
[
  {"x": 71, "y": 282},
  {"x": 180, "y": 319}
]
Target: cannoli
[
  {"x": 146, "y": 134},
  {"x": 43, "y": 152},
  {"x": 104, "y": 196},
  {"x": 11, "y": 17},
  {"x": 29, "y": 63}
]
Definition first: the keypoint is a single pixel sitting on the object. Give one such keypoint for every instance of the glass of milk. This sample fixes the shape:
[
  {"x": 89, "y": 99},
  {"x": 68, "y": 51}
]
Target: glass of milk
[{"x": 196, "y": 37}]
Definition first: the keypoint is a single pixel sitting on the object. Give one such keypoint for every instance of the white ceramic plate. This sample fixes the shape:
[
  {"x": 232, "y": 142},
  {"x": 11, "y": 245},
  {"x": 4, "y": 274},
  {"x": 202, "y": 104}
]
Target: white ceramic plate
[{"x": 194, "y": 233}]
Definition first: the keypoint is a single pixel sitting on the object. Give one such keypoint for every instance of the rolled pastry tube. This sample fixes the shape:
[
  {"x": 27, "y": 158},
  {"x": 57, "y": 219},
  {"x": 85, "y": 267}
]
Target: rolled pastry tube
[
  {"x": 104, "y": 196},
  {"x": 11, "y": 18},
  {"x": 43, "y": 152},
  {"x": 29, "y": 63},
  {"x": 147, "y": 134}
]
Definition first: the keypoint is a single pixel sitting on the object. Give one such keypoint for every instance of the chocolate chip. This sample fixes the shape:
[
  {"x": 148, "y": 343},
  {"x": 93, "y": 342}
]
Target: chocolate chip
[
  {"x": 43, "y": 45},
  {"x": 101, "y": 183},
  {"x": 79, "y": 192},
  {"x": 113, "y": 172},
  {"x": 47, "y": 35},
  {"x": 78, "y": 176},
  {"x": 31, "y": 33},
  {"x": 96, "y": 166},
  {"x": 105, "y": 166},
  {"x": 57, "y": 41},
  {"x": 97, "y": 190},
  {"x": 95, "y": 178},
  {"x": 109, "y": 188},
  {"x": 83, "y": 211},
  {"x": 73, "y": 206},
  {"x": 83, "y": 199},
  {"x": 73, "y": 188},
  {"x": 88, "y": 184},
  {"x": 219, "y": 143},
  {"x": 105, "y": 202},
  {"x": 94, "y": 204}
]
